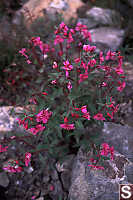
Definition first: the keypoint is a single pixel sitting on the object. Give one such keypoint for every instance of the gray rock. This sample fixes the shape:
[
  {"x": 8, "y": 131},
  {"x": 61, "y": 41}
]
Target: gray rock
[
  {"x": 87, "y": 183},
  {"x": 120, "y": 137},
  {"x": 63, "y": 5},
  {"x": 129, "y": 172},
  {"x": 103, "y": 16},
  {"x": 4, "y": 181},
  {"x": 130, "y": 2},
  {"x": 106, "y": 38},
  {"x": 90, "y": 23}
]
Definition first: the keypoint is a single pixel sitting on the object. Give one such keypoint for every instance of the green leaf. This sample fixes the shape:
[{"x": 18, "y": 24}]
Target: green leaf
[
  {"x": 79, "y": 124},
  {"x": 42, "y": 146},
  {"x": 42, "y": 159}
]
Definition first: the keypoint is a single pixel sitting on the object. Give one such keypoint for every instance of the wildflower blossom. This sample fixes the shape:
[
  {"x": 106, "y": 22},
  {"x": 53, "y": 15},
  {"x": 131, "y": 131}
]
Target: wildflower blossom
[
  {"x": 3, "y": 149},
  {"x": 67, "y": 126},
  {"x": 58, "y": 39},
  {"x": 119, "y": 70},
  {"x": 84, "y": 109},
  {"x": 110, "y": 55},
  {"x": 12, "y": 166},
  {"x": 77, "y": 60},
  {"x": 54, "y": 82},
  {"x": 122, "y": 86},
  {"x": 80, "y": 27},
  {"x": 69, "y": 85},
  {"x": 99, "y": 116},
  {"x": 105, "y": 149},
  {"x": 112, "y": 152},
  {"x": 96, "y": 167},
  {"x": 67, "y": 67},
  {"x": 83, "y": 77},
  {"x": 55, "y": 65},
  {"x": 43, "y": 116},
  {"x": 101, "y": 57},
  {"x": 27, "y": 159},
  {"x": 86, "y": 115},
  {"x": 92, "y": 62},
  {"x": 22, "y": 51},
  {"x": 75, "y": 115},
  {"x": 37, "y": 128},
  {"x": 33, "y": 100},
  {"x": 88, "y": 48}
]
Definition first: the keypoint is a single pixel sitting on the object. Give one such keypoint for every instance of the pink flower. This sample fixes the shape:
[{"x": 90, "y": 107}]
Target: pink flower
[
  {"x": 43, "y": 116},
  {"x": 110, "y": 55},
  {"x": 89, "y": 48},
  {"x": 33, "y": 197},
  {"x": 63, "y": 26},
  {"x": 12, "y": 166},
  {"x": 75, "y": 115},
  {"x": 104, "y": 84},
  {"x": 33, "y": 130},
  {"x": 55, "y": 65},
  {"x": 67, "y": 126},
  {"x": 80, "y": 26},
  {"x": 69, "y": 85},
  {"x": 92, "y": 160},
  {"x": 77, "y": 60},
  {"x": 86, "y": 48},
  {"x": 51, "y": 188},
  {"x": 37, "y": 42},
  {"x": 67, "y": 67},
  {"x": 22, "y": 51},
  {"x": 96, "y": 167},
  {"x": 110, "y": 115},
  {"x": 105, "y": 149},
  {"x": 70, "y": 38},
  {"x": 84, "y": 109},
  {"x": 92, "y": 62},
  {"x": 112, "y": 152},
  {"x": 20, "y": 122},
  {"x": 86, "y": 34},
  {"x": 72, "y": 31},
  {"x": 37, "y": 128},
  {"x": 60, "y": 53},
  {"x": 54, "y": 82},
  {"x": 119, "y": 70},
  {"x": 3, "y": 149},
  {"x": 122, "y": 86},
  {"x": 44, "y": 93},
  {"x": 12, "y": 169},
  {"x": 27, "y": 159},
  {"x": 33, "y": 100},
  {"x": 83, "y": 77},
  {"x": 25, "y": 125},
  {"x": 86, "y": 115},
  {"x": 28, "y": 61},
  {"x": 99, "y": 116},
  {"x": 101, "y": 57},
  {"x": 58, "y": 40}
]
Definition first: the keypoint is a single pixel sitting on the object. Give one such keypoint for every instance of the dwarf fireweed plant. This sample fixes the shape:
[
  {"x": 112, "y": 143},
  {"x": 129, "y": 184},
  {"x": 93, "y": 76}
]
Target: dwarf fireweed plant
[{"x": 78, "y": 97}]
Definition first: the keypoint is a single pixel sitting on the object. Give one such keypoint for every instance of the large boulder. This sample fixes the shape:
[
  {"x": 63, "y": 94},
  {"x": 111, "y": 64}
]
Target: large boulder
[
  {"x": 106, "y": 38},
  {"x": 105, "y": 26},
  {"x": 93, "y": 184},
  {"x": 103, "y": 16},
  {"x": 37, "y": 8},
  {"x": 120, "y": 137}
]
